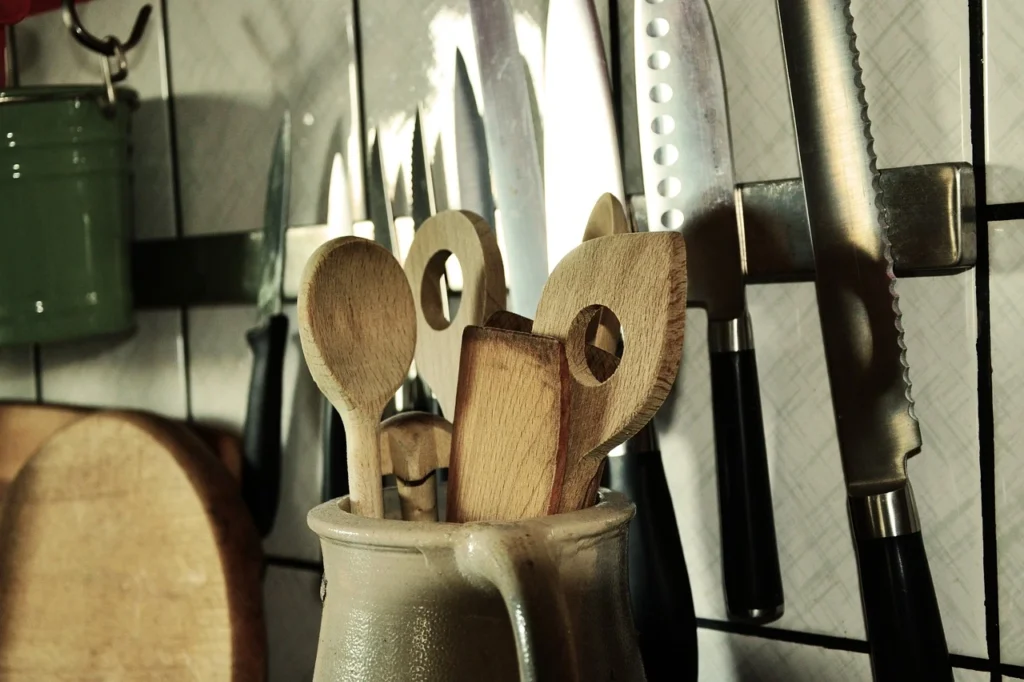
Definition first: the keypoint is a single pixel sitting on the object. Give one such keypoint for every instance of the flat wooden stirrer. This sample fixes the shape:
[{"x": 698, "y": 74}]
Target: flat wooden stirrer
[
  {"x": 413, "y": 446},
  {"x": 357, "y": 323},
  {"x": 642, "y": 279},
  {"x": 469, "y": 238},
  {"x": 510, "y": 432}
]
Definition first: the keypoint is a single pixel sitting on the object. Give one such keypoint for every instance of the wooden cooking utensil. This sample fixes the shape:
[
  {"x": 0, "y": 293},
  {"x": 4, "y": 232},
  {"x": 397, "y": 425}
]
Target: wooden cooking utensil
[
  {"x": 413, "y": 445},
  {"x": 642, "y": 279},
  {"x": 357, "y": 324},
  {"x": 510, "y": 432},
  {"x": 469, "y": 238},
  {"x": 608, "y": 217},
  {"x": 509, "y": 321},
  {"x": 126, "y": 552}
]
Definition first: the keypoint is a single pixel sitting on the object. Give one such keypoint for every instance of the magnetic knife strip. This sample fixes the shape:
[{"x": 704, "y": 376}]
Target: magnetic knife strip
[{"x": 931, "y": 226}]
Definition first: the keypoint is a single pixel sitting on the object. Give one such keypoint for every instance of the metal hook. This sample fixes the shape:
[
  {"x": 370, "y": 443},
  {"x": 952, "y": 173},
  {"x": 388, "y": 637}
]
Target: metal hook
[{"x": 109, "y": 46}]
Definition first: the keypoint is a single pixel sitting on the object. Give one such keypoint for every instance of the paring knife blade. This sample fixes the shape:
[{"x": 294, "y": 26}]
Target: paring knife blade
[
  {"x": 581, "y": 145},
  {"x": 512, "y": 150},
  {"x": 472, "y": 166},
  {"x": 863, "y": 333},
  {"x": 689, "y": 186},
  {"x": 423, "y": 205},
  {"x": 379, "y": 206},
  {"x": 261, "y": 436}
]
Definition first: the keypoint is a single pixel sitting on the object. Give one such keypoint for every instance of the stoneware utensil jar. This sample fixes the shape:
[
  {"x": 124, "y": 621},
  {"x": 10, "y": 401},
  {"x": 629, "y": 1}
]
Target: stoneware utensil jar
[{"x": 536, "y": 600}]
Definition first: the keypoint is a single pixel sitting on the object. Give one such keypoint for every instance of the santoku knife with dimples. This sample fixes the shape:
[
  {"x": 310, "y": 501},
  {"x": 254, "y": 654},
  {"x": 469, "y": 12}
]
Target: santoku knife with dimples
[
  {"x": 862, "y": 329},
  {"x": 689, "y": 186}
]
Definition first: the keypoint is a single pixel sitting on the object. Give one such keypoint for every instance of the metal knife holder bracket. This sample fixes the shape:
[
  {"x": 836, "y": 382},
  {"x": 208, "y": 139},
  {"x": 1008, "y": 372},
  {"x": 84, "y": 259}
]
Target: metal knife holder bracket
[{"x": 931, "y": 225}]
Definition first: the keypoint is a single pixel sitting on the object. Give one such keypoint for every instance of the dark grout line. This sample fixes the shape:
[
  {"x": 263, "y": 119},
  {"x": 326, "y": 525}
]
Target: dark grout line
[
  {"x": 986, "y": 416},
  {"x": 1010, "y": 211},
  {"x": 298, "y": 564},
  {"x": 172, "y": 132},
  {"x": 783, "y": 635},
  {"x": 1015, "y": 671}
]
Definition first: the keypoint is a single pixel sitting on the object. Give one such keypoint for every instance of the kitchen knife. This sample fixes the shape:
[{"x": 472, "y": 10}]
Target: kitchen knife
[
  {"x": 261, "y": 439},
  {"x": 423, "y": 205},
  {"x": 335, "y": 464},
  {"x": 379, "y": 202},
  {"x": 689, "y": 186},
  {"x": 581, "y": 147},
  {"x": 512, "y": 151},
  {"x": 862, "y": 329},
  {"x": 471, "y": 163}
]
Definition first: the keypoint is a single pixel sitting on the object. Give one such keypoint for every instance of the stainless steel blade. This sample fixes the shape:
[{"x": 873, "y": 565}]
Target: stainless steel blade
[
  {"x": 472, "y": 166},
  {"x": 379, "y": 201},
  {"x": 581, "y": 145},
  {"x": 275, "y": 221},
  {"x": 512, "y": 150},
  {"x": 686, "y": 148},
  {"x": 339, "y": 212},
  {"x": 423, "y": 205},
  {"x": 857, "y": 301},
  {"x": 437, "y": 173}
]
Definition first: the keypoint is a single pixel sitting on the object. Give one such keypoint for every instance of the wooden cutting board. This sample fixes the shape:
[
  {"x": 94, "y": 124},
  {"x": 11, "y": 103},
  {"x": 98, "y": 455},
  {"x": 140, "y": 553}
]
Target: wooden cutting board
[{"x": 126, "y": 553}]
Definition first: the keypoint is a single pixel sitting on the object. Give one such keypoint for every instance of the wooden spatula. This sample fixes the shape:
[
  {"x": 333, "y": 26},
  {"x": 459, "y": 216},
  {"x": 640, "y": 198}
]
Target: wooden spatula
[
  {"x": 413, "y": 446},
  {"x": 642, "y": 279},
  {"x": 469, "y": 238},
  {"x": 357, "y": 323},
  {"x": 608, "y": 217},
  {"x": 127, "y": 553},
  {"x": 510, "y": 432}
]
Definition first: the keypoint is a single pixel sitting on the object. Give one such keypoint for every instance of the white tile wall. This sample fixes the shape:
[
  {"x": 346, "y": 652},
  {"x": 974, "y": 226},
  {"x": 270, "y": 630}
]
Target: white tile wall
[
  {"x": 1005, "y": 94},
  {"x": 235, "y": 65}
]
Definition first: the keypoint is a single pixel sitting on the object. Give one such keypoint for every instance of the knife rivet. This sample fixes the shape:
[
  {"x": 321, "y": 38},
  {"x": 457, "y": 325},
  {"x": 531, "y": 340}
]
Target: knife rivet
[
  {"x": 659, "y": 60},
  {"x": 661, "y": 93},
  {"x": 657, "y": 28}
]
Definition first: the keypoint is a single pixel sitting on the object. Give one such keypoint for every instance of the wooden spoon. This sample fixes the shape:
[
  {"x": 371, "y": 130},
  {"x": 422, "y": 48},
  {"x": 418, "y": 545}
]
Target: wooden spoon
[
  {"x": 608, "y": 217},
  {"x": 510, "y": 433},
  {"x": 642, "y": 279},
  {"x": 469, "y": 238},
  {"x": 357, "y": 323},
  {"x": 413, "y": 445}
]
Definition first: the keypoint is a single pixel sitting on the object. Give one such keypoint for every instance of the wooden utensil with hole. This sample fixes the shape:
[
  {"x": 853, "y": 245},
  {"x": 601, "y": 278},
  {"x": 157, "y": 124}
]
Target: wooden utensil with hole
[
  {"x": 608, "y": 217},
  {"x": 413, "y": 446},
  {"x": 469, "y": 238},
  {"x": 642, "y": 279},
  {"x": 510, "y": 433},
  {"x": 357, "y": 324},
  {"x": 126, "y": 552}
]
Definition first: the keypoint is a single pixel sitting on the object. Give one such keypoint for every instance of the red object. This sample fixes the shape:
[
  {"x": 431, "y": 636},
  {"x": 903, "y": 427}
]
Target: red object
[{"x": 13, "y": 11}]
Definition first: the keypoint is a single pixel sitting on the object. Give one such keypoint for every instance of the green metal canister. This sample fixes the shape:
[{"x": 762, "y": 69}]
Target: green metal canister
[{"x": 65, "y": 213}]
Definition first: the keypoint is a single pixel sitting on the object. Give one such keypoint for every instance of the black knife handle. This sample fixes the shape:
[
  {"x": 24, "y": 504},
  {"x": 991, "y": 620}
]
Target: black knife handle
[
  {"x": 750, "y": 557},
  {"x": 659, "y": 585},
  {"x": 335, "y": 481},
  {"x": 904, "y": 626},
  {"x": 261, "y": 438}
]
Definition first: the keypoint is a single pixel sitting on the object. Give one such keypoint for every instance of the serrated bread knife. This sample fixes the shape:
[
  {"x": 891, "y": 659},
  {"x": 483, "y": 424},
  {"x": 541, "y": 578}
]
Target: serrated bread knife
[{"x": 863, "y": 334}]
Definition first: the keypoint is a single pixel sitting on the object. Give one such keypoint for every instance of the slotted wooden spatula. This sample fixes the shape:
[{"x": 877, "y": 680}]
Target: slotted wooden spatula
[
  {"x": 510, "y": 432},
  {"x": 642, "y": 279},
  {"x": 607, "y": 218},
  {"x": 469, "y": 238}
]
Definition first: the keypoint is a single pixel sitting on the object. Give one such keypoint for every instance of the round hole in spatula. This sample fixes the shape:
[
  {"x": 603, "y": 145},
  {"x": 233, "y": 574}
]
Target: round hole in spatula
[
  {"x": 593, "y": 345},
  {"x": 441, "y": 290}
]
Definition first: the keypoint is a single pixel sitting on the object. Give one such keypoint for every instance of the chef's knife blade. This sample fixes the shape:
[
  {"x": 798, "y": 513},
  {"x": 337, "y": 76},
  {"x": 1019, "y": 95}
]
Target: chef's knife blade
[
  {"x": 335, "y": 457},
  {"x": 422, "y": 183},
  {"x": 512, "y": 150},
  {"x": 581, "y": 146},
  {"x": 862, "y": 329},
  {"x": 473, "y": 170},
  {"x": 379, "y": 206},
  {"x": 261, "y": 441},
  {"x": 689, "y": 186}
]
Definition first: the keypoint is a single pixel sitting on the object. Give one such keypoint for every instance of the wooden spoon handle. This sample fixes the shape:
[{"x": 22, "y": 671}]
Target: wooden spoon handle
[{"x": 364, "y": 471}]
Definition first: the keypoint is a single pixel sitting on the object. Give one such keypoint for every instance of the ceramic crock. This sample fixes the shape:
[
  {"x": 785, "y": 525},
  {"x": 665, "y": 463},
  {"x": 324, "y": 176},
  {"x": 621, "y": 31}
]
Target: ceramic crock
[
  {"x": 536, "y": 600},
  {"x": 65, "y": 213}
]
